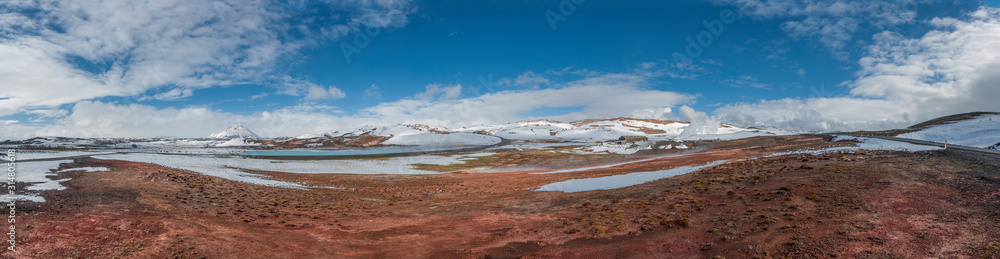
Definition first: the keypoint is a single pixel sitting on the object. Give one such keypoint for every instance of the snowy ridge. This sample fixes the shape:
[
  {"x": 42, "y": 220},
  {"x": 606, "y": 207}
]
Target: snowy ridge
[
  {"x": 865, "y": 144},
  {"x": 419, "y": 134},
  {"x": 606, "y": 129},
  {"x": 982, "y": 131},
  {"x": 387, "y": 131},
  {"x": 435, "y": 139},
  {"x": 595, "y": 130},
  {"x": 584, "y": 131},
  {"x": 522, "y": 130}
]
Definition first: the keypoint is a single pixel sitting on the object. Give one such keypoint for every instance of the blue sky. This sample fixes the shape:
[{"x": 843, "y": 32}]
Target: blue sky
[
  {"x": 457, "y": 42},
  {"x": 189, "y": 68}
]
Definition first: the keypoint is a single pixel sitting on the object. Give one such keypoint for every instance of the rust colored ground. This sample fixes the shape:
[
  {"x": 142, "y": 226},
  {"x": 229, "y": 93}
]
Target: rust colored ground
[{"x": 852, "y": 205}]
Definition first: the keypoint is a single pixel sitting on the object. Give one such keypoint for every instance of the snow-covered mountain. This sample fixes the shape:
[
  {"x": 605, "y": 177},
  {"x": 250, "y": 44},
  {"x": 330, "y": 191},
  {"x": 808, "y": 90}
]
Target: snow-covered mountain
[
  {"x": 522, "y": 130},
  {"x": 592, "y": 130},
  {"x": 398, "y": 129},
  {"x": 415, "y": 134},
  {"x": 606, "y": 129},
  {"x": 236, "y": 131}
]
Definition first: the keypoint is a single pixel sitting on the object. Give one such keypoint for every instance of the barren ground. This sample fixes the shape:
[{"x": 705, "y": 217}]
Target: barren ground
[{"x": 868, "y": 204}]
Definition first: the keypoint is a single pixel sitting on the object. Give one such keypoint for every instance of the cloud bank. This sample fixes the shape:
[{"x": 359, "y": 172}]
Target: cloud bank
[
  {"x": 832, "y": 23},
  {"x": 902, "y": 81},
  {"x": 62, "y": 52},
  {"x": 609, "y": 95}
]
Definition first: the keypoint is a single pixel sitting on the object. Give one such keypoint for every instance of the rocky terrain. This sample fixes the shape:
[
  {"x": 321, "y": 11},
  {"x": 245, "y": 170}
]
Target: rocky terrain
[{"x": 848, "y": 204}]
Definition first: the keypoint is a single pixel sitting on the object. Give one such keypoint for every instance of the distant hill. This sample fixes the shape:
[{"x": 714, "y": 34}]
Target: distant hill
[
  {"x": 977, "y": 129},
  {"x": 951, "y": 118},
  {"x": 589, "y": 130},
  {"x": 927, "y": 124},
  {"x": 605, "y": 129}
]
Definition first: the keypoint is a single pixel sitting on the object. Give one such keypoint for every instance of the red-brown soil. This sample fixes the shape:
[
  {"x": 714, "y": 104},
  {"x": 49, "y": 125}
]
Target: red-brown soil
[{"x": 854, "y": 205}]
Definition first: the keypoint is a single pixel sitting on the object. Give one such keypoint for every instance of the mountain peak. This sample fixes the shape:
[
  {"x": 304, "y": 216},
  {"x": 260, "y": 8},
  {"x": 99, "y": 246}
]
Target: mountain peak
[{"x": 236, "y": 131}]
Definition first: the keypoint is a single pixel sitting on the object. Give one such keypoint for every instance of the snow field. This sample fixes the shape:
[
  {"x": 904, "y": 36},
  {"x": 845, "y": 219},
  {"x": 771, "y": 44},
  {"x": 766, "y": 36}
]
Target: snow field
[
  {"x": 982, "y": 132},
  {"x": 37, "y": 173}
]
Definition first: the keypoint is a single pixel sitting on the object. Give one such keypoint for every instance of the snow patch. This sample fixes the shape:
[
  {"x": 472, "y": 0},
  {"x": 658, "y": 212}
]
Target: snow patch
[
  {"x": 701, "y": 127},
  {"x": 622, "y": 149},
  {"x": 50, "y": 185},
  {"x": 309, "y": 136},
  {"x": 23, "y": 155},
  {"x": 237, "y": 142},
  {"x": 232, "y": 168},
  {"x": 620, "y": 181},
  {"x": 866, "y": 144},
  {"x": 982, "y": 132},
  {"x": 221, "y": 167},
  {"x": 86, "y": 169},
  {"x": 21, "y": 197},
  {"x": 435, "y": 139},
  {"x": 522, "y": 130},
  {"x": 882, "y": 144},
  {"x": 37, "y": 173}
]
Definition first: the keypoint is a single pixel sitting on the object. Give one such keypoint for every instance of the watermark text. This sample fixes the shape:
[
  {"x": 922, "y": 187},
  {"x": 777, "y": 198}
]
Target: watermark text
[
  {"x": 11, "y": 190},
  {"x": 696, "y": 44},
  {"x": 566, "y": 8}
]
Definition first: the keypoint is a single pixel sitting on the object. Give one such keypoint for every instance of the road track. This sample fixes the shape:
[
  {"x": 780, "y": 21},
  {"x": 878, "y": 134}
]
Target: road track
[{"x": 937, "y": 144}]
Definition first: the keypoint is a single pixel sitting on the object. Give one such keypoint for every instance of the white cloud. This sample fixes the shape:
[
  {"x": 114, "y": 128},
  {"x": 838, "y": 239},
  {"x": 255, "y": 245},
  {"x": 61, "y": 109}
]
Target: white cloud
[
  {"x": 833, "y": 23},
  {"x": 610, "y": 95},
  {"x": 258, "y": 96},
  {"x": 98, "y": 119},
  {"x": 80, "y": 50},
  {"x": 38, "y": 77},
  {"x": 746, "y": 81},
  {"x": 817, "y": 114},
  {"x": 701, "y": 123},
  {"x": 173, "y": 94},
  {"x": 671, "y": 69},
  {"x": 372, "y": 93},
  {"x": 902, "y": 81},
  {"x": 47, "y": 113},
  {"x": 440, "y": 92},
  {"x": 529, "y": 79},
  {"x": 319, "y": 93},
  {"x": 13, "y": 129},
  {"x": 309, "y": 90}
]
